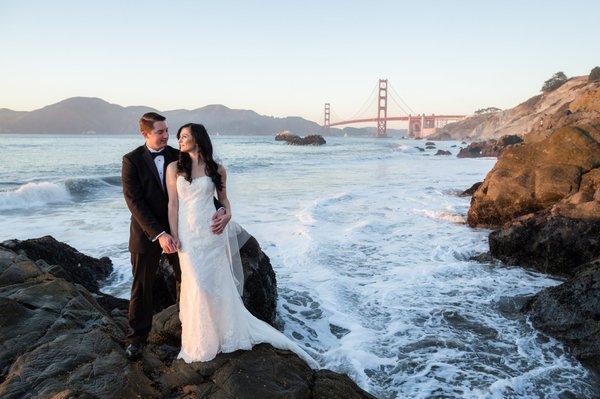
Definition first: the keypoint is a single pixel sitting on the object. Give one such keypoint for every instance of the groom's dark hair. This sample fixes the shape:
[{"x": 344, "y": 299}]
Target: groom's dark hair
[{"x": 147, "y": 121}]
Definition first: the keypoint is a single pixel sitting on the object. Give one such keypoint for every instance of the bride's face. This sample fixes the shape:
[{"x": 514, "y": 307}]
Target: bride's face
[{"x": 186, "y": 140}]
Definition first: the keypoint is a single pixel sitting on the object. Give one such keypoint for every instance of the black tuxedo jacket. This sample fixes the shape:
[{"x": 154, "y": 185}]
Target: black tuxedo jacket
[{"x": 146, "y": 198}]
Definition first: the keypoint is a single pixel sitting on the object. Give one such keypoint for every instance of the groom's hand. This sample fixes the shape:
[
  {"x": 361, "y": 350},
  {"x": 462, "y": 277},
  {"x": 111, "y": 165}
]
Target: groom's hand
[
  {"x": 167, "y": 243},
  {"x": 219, "y": 221}
]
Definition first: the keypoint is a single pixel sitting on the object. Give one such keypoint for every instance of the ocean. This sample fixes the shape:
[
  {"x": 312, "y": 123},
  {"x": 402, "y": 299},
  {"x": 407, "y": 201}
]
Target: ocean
[{"x": 367, "y": 238}]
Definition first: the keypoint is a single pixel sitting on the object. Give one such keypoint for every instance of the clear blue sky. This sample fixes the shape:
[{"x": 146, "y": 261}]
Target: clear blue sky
[{"x": 289, "y": 57}]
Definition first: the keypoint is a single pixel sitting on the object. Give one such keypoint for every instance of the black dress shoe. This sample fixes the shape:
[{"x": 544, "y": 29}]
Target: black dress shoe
[{"x": 134, "y": 351}]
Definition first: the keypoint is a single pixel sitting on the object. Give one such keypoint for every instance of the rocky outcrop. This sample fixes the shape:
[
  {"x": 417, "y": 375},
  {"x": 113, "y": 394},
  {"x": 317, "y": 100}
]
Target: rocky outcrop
[
  {"x": 488, "y": 148},
  {"x": 549, "y": 243},
  {"x": 471, "y": 190},
  {"x": 571, "y": 313},
  {"x": 66, "y": 261},
  {"x": 57, "y": 341},
  {"x": 443, "y": 152},
  {"x": 576, "y": 102},
  {"x": 529, "y": 177},
  {"x": 313, "y": 139}
]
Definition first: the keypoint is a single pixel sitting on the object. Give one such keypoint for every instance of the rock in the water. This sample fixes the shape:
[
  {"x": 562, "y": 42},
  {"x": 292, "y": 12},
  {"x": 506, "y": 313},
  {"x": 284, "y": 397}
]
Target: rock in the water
[
  {"x": 430, "y": 143},
  {"x": 443, "y": 152},
  {"x": 284, "y": 135},
  {"x": 529, "y": 177},
  {"x": 287, "y": 136},
  {"x": 471, "y": 190},
  {"x": 488, "y": 148},
  {"x": 571, "y": 313},
  {"x": 549, "y": 243}
]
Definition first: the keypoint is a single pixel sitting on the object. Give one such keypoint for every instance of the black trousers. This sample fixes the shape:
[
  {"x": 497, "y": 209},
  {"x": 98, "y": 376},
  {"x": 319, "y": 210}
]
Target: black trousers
[{"x": 144, "y": 267}]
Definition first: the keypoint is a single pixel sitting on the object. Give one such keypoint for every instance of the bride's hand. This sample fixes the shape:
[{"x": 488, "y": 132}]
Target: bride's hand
[
  {"x": 177, "y": 243},
  {"x": 220, "y": 220}
]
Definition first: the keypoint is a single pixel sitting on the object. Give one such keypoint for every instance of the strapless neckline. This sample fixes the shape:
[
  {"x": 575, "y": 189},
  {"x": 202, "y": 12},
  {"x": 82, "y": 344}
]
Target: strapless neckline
[{"x": 193, "y": 178}]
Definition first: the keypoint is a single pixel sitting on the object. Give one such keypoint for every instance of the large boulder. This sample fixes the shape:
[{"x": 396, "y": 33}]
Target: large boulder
[
  {"x": 57, "y": 341},
  {"x": 571, "y": 313},
  {"x": 287, "y": 136},
  {"x": 549, "y": 243},
  {"x": 529, "y": 177},
  {"x": 68, "y": 262}
]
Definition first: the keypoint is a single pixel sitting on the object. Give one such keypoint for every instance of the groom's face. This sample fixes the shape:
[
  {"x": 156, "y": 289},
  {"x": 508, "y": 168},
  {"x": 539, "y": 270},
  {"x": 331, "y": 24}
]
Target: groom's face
[{"x": 157, "y": 137}]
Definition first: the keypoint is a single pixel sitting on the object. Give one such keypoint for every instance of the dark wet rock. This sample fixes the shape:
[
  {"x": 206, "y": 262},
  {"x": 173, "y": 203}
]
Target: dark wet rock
[
  {"x": 484, "y": 257},
  {"x": 64, "y": 261},
  {"x": 313, "y": 139},
  {"x": 571, "y": 313},
  {"x": 338, "y": 331},
  {"x": 489, "y": 148},
  {"x": 429, "y": 147},
  {"x": 443, "y": 152},
  {"x": 471, "y": 190},
  {"x": 529, "y": 177},
  {"x": 58, "y": 342},
  {"x": 430, "y": 143},
  {"x": 420, "y": 149},
  {"x": 550, "y": 244}
]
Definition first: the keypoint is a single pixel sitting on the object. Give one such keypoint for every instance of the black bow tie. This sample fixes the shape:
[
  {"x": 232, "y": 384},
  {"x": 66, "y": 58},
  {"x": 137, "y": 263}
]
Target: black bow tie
[{"x": 158, "y": 153}]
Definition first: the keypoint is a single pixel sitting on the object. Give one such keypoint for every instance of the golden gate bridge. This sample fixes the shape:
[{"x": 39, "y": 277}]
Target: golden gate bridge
[{"x": 418, "y": 125}]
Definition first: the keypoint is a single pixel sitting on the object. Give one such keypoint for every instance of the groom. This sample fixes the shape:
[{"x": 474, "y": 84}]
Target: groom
[{"x": 144, "y": 188}]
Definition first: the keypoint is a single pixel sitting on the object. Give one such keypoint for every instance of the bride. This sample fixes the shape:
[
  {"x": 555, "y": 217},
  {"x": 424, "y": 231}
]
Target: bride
[{"x": 212, "y": 313}]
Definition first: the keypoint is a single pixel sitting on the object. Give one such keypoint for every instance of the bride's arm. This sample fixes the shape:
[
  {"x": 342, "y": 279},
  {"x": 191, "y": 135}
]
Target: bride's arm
[
  {"x": 171, "y": 180},
  {"x": 222, "y": 193}
]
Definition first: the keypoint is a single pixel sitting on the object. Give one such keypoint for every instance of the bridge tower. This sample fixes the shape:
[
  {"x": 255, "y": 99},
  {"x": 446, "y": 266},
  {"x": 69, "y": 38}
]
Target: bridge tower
[
  {"x": 382, "y": 109},
  {"x": 327, "y": 117}
]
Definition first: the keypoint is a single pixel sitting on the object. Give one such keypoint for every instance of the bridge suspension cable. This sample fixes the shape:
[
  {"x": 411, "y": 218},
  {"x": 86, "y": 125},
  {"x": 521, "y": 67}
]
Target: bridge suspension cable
[
  {"x": 404, "y": 102},
  {"x": 368, "y": 102}
]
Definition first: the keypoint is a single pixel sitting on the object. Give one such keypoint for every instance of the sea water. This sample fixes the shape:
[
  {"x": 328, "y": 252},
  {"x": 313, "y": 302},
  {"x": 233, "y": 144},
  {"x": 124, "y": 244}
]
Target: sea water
[{"x": 367, "y": 238}]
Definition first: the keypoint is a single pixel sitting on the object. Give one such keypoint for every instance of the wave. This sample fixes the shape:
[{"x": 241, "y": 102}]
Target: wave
[
  {"x": 33, "y": 195},
  {"x": 37, "y": 194},
  {"x": 443, "y": 215}
]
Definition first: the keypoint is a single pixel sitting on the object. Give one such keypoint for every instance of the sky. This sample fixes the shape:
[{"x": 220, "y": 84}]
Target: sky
[{"x": 285, "y": 58}]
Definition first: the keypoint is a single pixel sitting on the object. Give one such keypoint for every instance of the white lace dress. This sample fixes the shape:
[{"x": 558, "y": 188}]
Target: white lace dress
[{"x": 213, "y": 316}]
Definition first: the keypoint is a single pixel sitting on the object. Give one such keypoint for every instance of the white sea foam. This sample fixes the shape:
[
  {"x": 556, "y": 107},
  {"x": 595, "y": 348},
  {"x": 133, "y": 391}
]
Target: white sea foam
[{"x": 32, "y": 195}]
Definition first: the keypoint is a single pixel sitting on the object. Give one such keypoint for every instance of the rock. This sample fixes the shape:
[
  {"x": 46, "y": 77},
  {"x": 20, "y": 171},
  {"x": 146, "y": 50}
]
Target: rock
[
  {"x": 549, "y": 243},
  {"x": 529, "y": 177},
  {"x": 471, "y": 190},
  {"x": 431, "y": 143},
  {"x": 571, "y": 313},
  {"x": 56, "y": 338},
  {"x": 284, "y": 135},
  {"x": 287, "y": 136},
  {"x": 488, "y": 148},
  {"x": 443, "y": 152},
  {"x": 64, "y": 261},
  {"x": 420, "y": 149},
  {"x": 58, "y": 342},
  {"x": 314, "y": 139},
  {"x": 577, "y": 102}
]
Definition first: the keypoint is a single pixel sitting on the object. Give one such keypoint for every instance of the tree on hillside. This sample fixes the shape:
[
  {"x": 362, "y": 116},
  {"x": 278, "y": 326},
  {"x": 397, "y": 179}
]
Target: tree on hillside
[
  {"x": 487, "y": 110},
  {"x": 595, "y": 74},
  {"x": 557, "y": 80}
]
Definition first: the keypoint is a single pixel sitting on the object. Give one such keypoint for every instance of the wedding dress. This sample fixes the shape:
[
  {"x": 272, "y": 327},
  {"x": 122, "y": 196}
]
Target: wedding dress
[{"x": 212, "y": 313}]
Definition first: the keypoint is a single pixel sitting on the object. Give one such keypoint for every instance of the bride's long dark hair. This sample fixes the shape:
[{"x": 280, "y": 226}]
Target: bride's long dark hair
[{"x": 202, "y": 140}]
